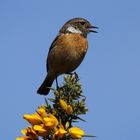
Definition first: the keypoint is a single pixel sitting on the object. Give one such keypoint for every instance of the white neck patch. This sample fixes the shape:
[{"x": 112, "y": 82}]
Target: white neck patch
[{"x": 73, "y": 30}]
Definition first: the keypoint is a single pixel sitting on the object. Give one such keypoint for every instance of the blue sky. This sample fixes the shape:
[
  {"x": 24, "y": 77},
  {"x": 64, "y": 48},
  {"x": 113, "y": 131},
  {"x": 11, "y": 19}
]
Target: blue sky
[{"x": 110, "y": 73}]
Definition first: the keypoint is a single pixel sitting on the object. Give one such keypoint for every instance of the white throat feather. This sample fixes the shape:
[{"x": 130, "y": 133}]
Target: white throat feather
[{"x": 73, "y": 30}]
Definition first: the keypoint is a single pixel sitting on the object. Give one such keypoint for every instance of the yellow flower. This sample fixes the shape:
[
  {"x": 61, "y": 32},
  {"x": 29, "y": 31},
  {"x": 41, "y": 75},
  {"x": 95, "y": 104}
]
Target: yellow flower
[
  {"x": 76, "y": 132},
  {"x": 50, "y": 121},
  {"x": 33, "y": 119},
  {"x": 24, "y": 138},
  {"x": 30, "y": 133},
  {"x": 53, "y": 112},
  {"x": 69, "y": 110},
  {"x": 66, "y": 107},
  {"x": 40, "y": 130},
  {"x": 63, "y": 104},
  {"x": 42, "y": 111},
  {"x": 59, "y": 133}
]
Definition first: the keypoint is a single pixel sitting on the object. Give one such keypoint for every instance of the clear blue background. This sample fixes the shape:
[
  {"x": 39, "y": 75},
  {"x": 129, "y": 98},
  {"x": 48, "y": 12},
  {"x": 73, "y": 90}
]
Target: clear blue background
[{"x": 110, "y": 73}]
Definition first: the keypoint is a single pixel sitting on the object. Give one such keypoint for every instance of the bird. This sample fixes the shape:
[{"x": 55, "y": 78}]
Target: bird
[{"x": 67, "y": 51}]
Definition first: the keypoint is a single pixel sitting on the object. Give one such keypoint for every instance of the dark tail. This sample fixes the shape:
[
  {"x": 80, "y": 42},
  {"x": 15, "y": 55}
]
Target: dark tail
[{"x": 45, "y": 87}]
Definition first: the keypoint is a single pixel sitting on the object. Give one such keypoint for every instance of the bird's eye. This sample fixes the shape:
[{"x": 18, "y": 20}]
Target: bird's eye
[{"x": 82, "y": 23}]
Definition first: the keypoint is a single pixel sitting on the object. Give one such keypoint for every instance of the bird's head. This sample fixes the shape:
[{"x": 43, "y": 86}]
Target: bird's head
[{"x": 78, "y": 25}]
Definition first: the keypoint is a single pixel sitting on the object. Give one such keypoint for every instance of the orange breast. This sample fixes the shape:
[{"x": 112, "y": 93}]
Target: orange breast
[
  {"x": 67, "y": 54},
  {"x": 73, "y": 42}
]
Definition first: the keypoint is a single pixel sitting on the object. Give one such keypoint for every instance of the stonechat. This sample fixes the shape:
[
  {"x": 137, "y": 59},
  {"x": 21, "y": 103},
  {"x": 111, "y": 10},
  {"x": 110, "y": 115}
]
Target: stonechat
[{"x": 67, "y": 51}]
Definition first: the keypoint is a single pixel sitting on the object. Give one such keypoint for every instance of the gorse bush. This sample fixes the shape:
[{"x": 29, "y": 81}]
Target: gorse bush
[{"x": 54, "y": 120}]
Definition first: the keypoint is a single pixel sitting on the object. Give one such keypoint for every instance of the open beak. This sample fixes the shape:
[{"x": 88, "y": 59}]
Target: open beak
[{"x": 92, "y": 27}]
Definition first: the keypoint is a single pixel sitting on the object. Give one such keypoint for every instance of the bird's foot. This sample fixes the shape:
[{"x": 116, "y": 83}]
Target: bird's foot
[
  {"x": 57, "y": 86},
  {"x": 75, "y": 74}
]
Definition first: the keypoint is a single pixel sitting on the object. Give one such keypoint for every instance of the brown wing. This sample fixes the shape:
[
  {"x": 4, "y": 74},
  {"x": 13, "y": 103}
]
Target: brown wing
[{"x": 52, "y": 45}]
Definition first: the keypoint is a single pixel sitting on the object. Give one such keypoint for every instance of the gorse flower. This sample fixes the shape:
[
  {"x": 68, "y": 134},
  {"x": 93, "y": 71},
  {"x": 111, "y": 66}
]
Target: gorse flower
[
  {"x": 59, "y": 133},
  {"x": 30, "y": 133},
  {"x": 76, "y": 132},
  {"x": 42, "y": 123},
  {"x": 69, "y": 109},
  {"x": 24, "y": 138},
  {"x": 33, "y": 119},
  {"x": 50, "y": 121},
  {"x": 42, "y": 111},
  {"x": 41, "y": 130},
  {"x": 65, "y": 106}
]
